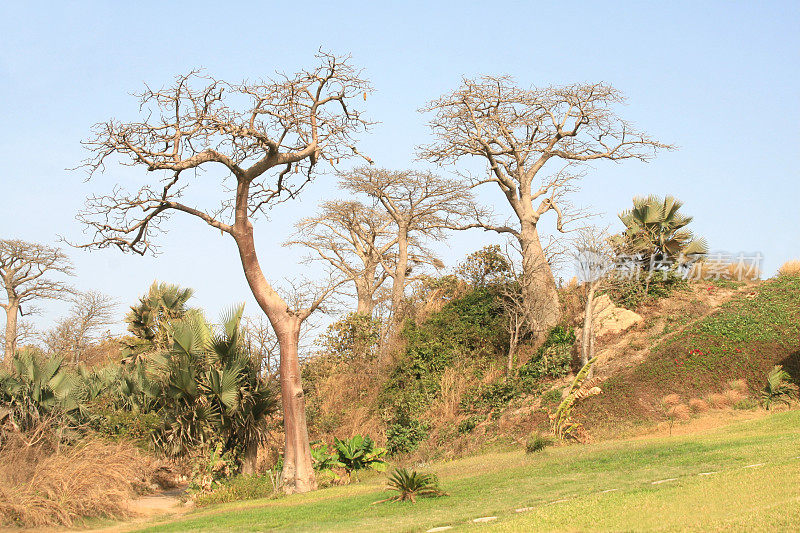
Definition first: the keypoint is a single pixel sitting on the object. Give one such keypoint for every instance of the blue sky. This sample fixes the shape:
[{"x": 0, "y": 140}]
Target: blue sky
[{"x": 719, "y": 79}]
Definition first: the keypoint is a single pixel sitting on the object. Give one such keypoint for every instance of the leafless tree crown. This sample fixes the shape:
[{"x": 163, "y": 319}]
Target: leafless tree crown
[
  {"x": 346, "y": 234},
  {"x": 25, "y": 270},
  {"x": 518, "y": 130},
  {"x": 287, "y": 125},
  {"x": 420, "y": 201}
]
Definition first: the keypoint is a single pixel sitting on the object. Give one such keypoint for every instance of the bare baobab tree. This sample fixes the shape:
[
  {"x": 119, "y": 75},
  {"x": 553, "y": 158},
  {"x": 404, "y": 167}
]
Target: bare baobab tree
[
  {"x": 421, "y": 205},
  {"x": 267, "y": 139},
  {"x": 91, "y": 313},
  {"x": 25, "y": 272},
  {"x": 517, "y": 131},
  {"x": 354, "y": 239}
]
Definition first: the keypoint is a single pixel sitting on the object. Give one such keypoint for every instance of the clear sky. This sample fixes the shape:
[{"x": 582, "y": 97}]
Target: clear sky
[{"x": 719, "y": 79}]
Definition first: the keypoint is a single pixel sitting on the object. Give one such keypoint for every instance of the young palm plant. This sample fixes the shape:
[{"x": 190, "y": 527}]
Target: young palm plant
[
  {"x": 779, "y": 388},
  {"x": 38, "y": 387},
  {"x": 410, "y": 485}
]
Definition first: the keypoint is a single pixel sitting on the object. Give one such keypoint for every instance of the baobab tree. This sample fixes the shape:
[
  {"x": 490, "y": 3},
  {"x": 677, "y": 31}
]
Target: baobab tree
[
  {"x": 25, "y": 272},
  {"x": 268, "y": 140},
  {"x": 354, "y": 239},
  {"x": 421, "y": 205},
  {"x": 91, "y": 313},
  {"x": 517, "y": 131}
]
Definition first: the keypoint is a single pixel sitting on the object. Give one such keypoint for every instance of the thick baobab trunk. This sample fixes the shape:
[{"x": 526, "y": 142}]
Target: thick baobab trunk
[
  {"x": 11, "y": 330},
  {"x": 365, "y": 304},
  {"x": 364, "y": 293},
  {"x": 298, "y": 471},
  {"x": 538, "y": 284},
  {"x": 399, "y": 278}
]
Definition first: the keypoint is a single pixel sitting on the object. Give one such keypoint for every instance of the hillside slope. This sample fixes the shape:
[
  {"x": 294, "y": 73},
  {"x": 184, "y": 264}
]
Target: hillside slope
[{"x": 703, "y": 355}]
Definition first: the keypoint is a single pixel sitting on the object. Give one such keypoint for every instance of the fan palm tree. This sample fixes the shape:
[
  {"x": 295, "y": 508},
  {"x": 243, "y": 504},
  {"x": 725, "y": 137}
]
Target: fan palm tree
[
  {"x": 148, "y": 321},
  {"x": 212, "y": 390},
  {"x": 656, "y": 232}
]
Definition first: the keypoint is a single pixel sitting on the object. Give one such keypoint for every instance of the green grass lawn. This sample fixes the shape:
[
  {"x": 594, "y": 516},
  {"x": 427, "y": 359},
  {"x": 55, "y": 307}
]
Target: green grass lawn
[{"x": 765, "y": 497}]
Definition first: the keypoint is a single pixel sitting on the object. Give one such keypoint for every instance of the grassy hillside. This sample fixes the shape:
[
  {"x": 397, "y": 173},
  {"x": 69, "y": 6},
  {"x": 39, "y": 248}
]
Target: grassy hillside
[
  {"x": 598, "y": 487},
  {"x": 741, "y": 340}
]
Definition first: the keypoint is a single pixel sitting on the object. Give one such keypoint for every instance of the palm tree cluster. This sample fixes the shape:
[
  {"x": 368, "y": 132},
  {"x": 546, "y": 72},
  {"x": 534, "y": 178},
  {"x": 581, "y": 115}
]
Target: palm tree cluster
[{"x": 199, "y": 379}]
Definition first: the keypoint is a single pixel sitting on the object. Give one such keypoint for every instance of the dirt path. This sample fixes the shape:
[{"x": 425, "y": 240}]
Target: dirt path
[{"x": 166, "y": 504}]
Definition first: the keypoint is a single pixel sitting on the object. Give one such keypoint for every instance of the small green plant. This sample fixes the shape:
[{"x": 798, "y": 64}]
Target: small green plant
[
  {"x": 553, "y": 396},
  {"x": 553, "y": 358},
  {"x": 746, "y": 404},
  {"x": 359, "y": 453},
  {"x": 779, "y": 388},
  {"x": 561, "y": 421},
  {"x": 410, "y": 485},
  {"x": 324, "y": 459},
  {"x": 470, "y": 423},
  {"x": 537, "y": 442},
  {"x": 211, "y": 469}
]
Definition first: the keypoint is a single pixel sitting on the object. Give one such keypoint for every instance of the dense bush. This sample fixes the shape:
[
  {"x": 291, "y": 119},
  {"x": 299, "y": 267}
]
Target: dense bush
[
  {"x": 552, "y": 359},
  {"x": 465, "y": 329},
  {"x": 490, "y": 397},
  {"x": 537, "y": 442},
  {"x": 355, "y": 336},
  {"x": 114, "y": 423},
  {"x": 405, "y": 437}
]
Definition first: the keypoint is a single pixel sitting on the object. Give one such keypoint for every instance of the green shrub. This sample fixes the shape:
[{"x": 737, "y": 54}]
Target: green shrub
[
  {"x": 553, "y": 358},
  {"x": 212, "y": 467},
  {"x": 238, "y": 488},
  {"x": 356, "y": 336},
  {"x": 537, "y": 442},
  {"x": 551, "y": 397},
  {"x": 359, "y": 453},
  {"x": 490, "y": 397},
  {"x": 466, "y": 329},
  {"x": 746, "y": 404},
  {"x": 402, "y": 438},
  {"x": 323, "y": 459},
  {"x": 115, "y": 423},
  {"x": 470, "y": 423},
  {"x": 630, "y": 292}
]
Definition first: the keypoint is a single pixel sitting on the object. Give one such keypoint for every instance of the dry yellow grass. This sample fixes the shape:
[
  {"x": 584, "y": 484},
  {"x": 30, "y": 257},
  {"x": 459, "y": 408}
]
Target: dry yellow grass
[
  {"x": 453, "y": 383},
  {"x": 737, "y": 271},
  {"x": 671, "y": 400},
  {"x": 732, "y": 396},
  {"x": 738, "y": 385},
  {"x": 790, "y": 268},
  {"x": 697, "y": 405},
  {"x": 42, "y": 484},
  {"x": 718, "y": 401},
  {"x": 680, "y": 412}
]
